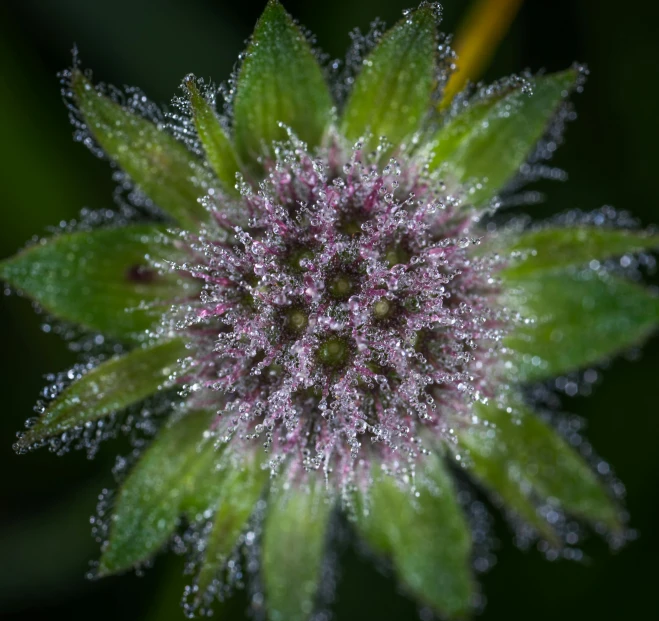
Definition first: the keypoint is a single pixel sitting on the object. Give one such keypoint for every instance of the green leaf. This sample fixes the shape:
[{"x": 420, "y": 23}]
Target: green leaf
[
  {"x": 524, "y": 460},
  {"x": 107, "y": 388},
  {"x": 392, "y": 93},
  {"x": 203, "y": 492},
  {"x": 148, "y": 505},
  {"x": 219, "y": 150},
  {"x": 426, "y": 537},
  {"x": 98, "y": 278},
  {"x": 160, "y": 165},
  {"x": 280, "y": 81},
  {"x": 554, "y": 248},
  {"x": 239, "y": 492},
  {"x": 580, "y": 318},
  {"x": 293, "y": 550},
  {"x": 490, "y": 140},
  {"x": 488, "y": 461}
]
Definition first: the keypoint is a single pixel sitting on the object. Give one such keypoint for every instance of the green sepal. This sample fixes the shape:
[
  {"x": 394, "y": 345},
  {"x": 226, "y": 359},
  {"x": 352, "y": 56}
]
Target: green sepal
[
  {"x": 580, "y": 318},
  {"x": 280, "y": 81},
  {"x": 148, "y": 505},
  {"x": 392, "y": 94},
  {"x": 160, "y": 165},
  {"x": 523, "y": 460},
  {"x": 560, "y": 247},
  {"x": 489, "y": 141},
  {"x": 218, "y": 148},
  {"x": 425, "y": 535},
  {"x": 293, "y": 550},
  {"x": 111, "y": 386},
  {"x": 99, "y": 279},
  {"x": 241, "y": 487}
]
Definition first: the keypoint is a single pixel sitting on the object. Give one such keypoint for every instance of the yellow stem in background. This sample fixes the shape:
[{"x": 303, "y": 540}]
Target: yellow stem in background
[{"x": 477, "y": 39}]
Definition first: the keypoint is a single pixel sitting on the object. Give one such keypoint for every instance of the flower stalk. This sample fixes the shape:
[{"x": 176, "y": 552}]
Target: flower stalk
[{"x": 479, "y": 36}]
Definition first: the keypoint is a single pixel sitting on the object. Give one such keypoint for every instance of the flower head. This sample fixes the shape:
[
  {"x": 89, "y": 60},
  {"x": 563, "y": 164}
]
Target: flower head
[
  {"x": 315, "y": 311},
  {"x": 340, "y": 314}
]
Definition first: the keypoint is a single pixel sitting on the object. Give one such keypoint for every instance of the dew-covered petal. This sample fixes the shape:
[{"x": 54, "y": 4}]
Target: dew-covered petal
[
  {"x": 148, "y": 504},
  {"x": 426, "y": 537},
  {"x": 522, "y": 459},
  {"x": 280, "y": 81},
  {"x": 160, "y": 165},
  {"x": 293, "y": 550},
  {"x": 235, "y": 499},
  {"x": 99, "y": 279},
  {"x": 489, "y": 141},
  {"x": 392, "y": 93},
  {"x": 107, "y": 388},
  {"x": 560, "y": 247},
  {"x": 579, "y": 318},
  {"x": 217, "y": 145}
]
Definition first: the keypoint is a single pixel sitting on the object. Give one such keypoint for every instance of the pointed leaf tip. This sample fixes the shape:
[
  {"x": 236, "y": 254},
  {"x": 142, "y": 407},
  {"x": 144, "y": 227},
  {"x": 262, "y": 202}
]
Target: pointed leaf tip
[
  {"x": 235, "y": 500},
  {"x": 392, "y": 93},
  {"x": 111, "y": 386},
  {"x": 160, "y": 165},
  {"x": 217, "y": 145},
  {"x": 280, "y": 81},
  {"x": 527, "y": 462},
  {"x": 555, "y": 248},
  {"x": 579, "y": 318},
  {"x": 99, "y": 279},
  {"x": 425, "y": 535},
  {"x": 489, "y": 140},
  {"x": 148, "y": 505}
]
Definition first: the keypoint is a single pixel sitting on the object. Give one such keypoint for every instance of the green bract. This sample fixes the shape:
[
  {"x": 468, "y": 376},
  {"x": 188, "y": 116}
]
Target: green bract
[
  {"x": 490, "y": 139},
  {"x": 108, "y": 388},
  {"x": 527, "y": 464},
  {"x": 217, "y": 145},
  {"x": 392, "y": 93},
  {"x": 162, "y": 167},
  {"x": 579, "y": 318},
  {"x": 294, "y": 538},
  {"x": 280, "y": 83},
  {"x": 428, "y": 540},
  {"x": 152, "y": 498},
  {"x": 174, "y": 292},
  {"x": 107, "y": 270}
]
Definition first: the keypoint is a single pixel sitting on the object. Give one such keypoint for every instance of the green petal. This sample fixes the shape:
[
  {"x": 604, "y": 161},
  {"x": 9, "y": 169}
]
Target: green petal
[
  {"x": 489, "y": 141},
  {"x": 293, "y": 550},
  {"x": 392, "y": 94},
  {"x": 107, "y": 388},
  {"x": 426, "y": 537},
  {"x": 148, "y": 505},
  {"x": 219, "y": 150},
  {"x": 239, "y": 492},
  {"x": 160, "y": 165},
  {"x": 98, "y": 279},
  {"x": 580, "y": 318},
  {"x": 280, "y": 81},
  {"x": 554, "y": 248},
  {"x": 524, "y": 460}
]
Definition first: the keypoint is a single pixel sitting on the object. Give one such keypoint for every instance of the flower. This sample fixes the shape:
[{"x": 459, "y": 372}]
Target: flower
[{"x": 311, "y": 306}]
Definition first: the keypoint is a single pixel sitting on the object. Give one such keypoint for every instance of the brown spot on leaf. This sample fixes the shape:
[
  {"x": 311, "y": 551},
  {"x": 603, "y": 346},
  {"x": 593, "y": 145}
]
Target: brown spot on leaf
[{"x": 141, "y": 274}]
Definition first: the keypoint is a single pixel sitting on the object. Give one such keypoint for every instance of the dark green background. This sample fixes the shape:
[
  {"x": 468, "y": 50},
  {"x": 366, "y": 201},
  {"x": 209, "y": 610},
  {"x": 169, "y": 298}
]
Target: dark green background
[{"x": 611, "y": 155}]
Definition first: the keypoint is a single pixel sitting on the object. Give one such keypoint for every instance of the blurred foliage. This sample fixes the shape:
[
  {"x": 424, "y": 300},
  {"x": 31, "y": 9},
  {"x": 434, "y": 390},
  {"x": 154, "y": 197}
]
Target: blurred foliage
[{"x": 611, "y": 157}]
